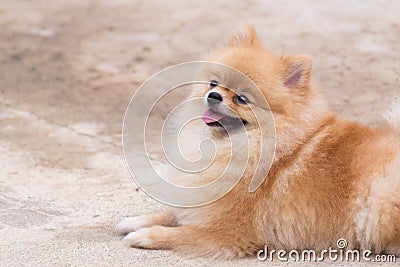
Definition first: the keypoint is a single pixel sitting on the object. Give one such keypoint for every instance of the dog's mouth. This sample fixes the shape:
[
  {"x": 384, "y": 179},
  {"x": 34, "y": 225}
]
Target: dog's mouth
[{"x": 221, "y": 121}]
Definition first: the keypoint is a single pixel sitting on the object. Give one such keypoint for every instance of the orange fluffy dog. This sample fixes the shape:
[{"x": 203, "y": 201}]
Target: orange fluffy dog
[{"x": 329, "y": 179}]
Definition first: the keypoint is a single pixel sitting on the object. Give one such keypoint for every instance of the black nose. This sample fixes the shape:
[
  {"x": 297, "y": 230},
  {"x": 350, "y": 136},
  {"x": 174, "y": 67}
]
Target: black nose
[{"x": 214, "y": 98}]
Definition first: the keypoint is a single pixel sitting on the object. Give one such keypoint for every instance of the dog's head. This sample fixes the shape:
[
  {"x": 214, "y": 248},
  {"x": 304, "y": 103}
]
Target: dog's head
[{"x": 233, "y": 101}]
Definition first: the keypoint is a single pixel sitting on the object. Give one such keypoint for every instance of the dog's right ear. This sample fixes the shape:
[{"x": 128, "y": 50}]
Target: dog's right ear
[
  {"x": 244, "y": 36},
  {"x": 296, "y": 71}
]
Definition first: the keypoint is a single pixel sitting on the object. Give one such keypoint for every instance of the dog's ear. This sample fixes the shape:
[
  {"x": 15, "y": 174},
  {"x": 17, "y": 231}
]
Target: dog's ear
[
  {"x": 245, "y": 36},
  {"x": 296, "y": 71}
]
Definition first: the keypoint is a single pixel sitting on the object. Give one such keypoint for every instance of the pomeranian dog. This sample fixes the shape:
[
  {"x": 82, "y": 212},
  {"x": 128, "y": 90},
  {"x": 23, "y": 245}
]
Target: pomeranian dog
[{"x": 329, "y": 178}]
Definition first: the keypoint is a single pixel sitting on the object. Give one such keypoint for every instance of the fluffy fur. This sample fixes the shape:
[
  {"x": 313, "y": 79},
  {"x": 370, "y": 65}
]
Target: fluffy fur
[{"x": 329, "y": 179}]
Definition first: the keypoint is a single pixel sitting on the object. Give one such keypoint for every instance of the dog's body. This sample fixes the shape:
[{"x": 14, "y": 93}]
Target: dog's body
[{"x": 329, "y": 179}]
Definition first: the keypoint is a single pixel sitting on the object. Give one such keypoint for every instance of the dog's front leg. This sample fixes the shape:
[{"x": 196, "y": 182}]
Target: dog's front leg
[
  {"x": 190, "y": 240},
  {"x": 131, "y": 224}
]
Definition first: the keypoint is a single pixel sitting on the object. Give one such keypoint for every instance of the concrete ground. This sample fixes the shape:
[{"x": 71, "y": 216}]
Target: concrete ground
[{"x": 69, "y": 68}]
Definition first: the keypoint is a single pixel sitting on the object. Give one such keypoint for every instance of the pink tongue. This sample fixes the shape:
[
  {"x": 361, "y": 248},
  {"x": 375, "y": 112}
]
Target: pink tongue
[{"x": 210, "y": 116}]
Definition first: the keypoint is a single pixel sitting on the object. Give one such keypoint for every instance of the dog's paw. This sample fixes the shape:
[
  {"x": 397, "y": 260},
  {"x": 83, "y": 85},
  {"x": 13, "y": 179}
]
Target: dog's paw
[
  {"x": 130, "y": 224},
  {"x": 142, "y": 238}
]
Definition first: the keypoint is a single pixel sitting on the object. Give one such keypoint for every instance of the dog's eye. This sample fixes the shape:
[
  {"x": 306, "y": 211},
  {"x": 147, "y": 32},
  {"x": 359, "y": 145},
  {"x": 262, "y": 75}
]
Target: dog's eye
[
  {"x": 213, "y": 83},
  {"x": 241, "y": 99}
]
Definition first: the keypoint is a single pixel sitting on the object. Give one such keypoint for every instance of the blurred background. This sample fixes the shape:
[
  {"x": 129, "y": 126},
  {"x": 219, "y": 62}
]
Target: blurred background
[{"x": 69, "y": 68}]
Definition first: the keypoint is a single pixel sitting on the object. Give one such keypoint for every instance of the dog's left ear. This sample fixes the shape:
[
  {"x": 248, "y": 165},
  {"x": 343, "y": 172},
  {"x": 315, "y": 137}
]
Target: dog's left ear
[
  {"x": 296, "y": 71},
  {"x": 245, "y": 36}
]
